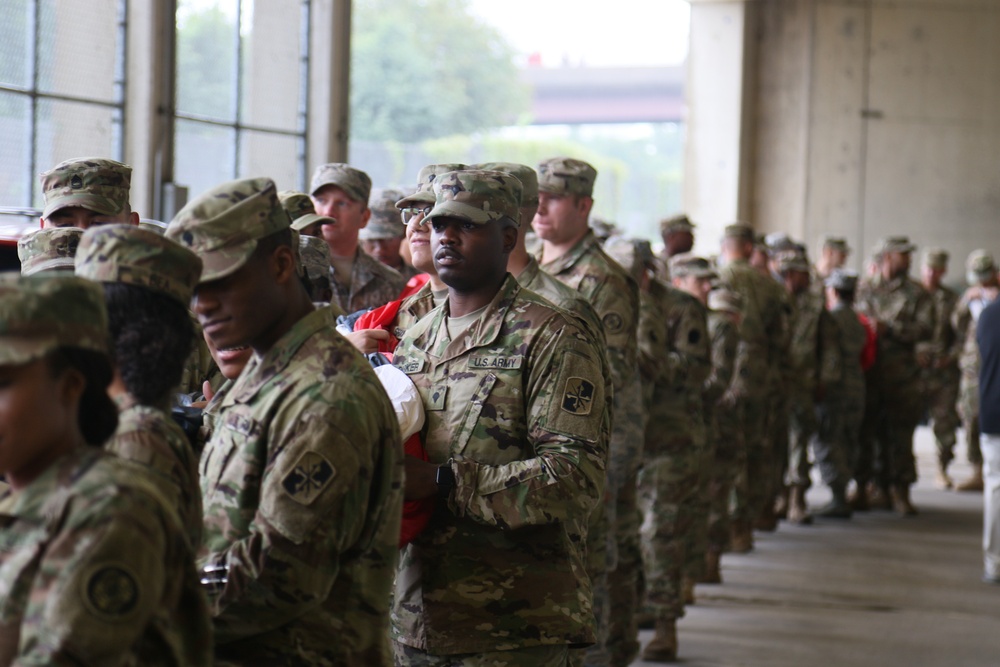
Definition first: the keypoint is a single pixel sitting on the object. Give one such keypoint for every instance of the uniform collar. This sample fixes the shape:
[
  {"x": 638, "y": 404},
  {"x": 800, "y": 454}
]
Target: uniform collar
[
  {"x": 573, "y": 255},
  {"x": 46, "y": 497}
]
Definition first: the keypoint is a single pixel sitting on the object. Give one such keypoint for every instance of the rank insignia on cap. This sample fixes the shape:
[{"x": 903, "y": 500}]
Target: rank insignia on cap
[
  {"x": 76, "y": 182},
  {"x": 312, "y": 473},
  {"x": 578, "y": 397},
  {"x": 111, "y": 591}
]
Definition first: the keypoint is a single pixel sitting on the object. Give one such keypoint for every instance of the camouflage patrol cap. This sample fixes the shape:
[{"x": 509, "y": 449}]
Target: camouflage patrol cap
[
  {"x": 223, "y": 225},
  {"x": 300, "y": 208},
  {"x": 689, "y": 264},
  {"x": 779, "y": 241},
  {"x": 477, "y": 196},
  {"x": 48, "y": 249},
  {"x": 385, "y": 222},
  {"x": 791, "y": 260},
  {"x": 739, "y": 230},
  {"x": 356, "y": 183},
  {"x": 844, "y": 280},
  {"x": 725, "y": 300},
  {"x": 96, "y": 184},
  {"x": 935, "y": 258},
  {"x": 676, "y": 223},
  {"x": 980, "y": 267},
  {"x": 425, "y": 184},
  {"x": 314, "y": 255},
  {"x": 566, "y": 176},
  {"x": 836, "y": 242},
  {"x": 633, "y": 255},
  {"x": 39, "y": 314},
  {"x": 523, "y": 173},
  {"x": 893, "y": 244},
  {"x": 132, "y": 256}
]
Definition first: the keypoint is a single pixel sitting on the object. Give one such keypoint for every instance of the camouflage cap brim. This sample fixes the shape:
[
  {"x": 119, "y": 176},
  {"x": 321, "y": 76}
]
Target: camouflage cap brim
[
  {"x": 91, "y": 202},
  {"x": 18, "y": 350},
  {"x": 460, "y": 210},
  {"x": 300, "y": 223},
  {"x": 415, "y": 199},
  {"x": 222, "y": 262},
  {"x": 54, "y": 264}
]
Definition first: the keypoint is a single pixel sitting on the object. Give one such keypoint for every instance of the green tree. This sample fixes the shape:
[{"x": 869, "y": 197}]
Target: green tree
[{"x": 429, "y": 68}]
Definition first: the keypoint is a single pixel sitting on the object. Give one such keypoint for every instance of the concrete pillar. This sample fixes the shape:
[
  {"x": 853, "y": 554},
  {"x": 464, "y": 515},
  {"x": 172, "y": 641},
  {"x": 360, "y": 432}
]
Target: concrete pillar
[
  {"x": 149, "y": 97},
  {"x": 329, "y": 92},
  {"x": 720, "y": 93}
]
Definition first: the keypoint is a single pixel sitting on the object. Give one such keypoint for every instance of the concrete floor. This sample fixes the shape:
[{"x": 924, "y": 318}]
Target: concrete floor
[{"x": 876, "y": 590}]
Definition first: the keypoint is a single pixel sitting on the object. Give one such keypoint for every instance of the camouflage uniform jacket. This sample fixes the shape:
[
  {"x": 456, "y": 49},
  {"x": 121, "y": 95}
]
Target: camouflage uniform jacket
[
  {"x": 964, "y": 319},
  {"x": 851, "y": 336},
  {"x": 905, "y": 311},
  {"x": 302, "y": 489},
  {"x": 815, "y": 351},
  {"x": 613, "y": 294},
  {"x": 724, "y": 340},
  {"x": 944, "y": 344},
  {"x": 373, "y": 284},
  {"x": 764, "y": 333},
  {"x": 675, "y": 359},
  {"x": 199, "y": 366},
  {"x": 150, "y": 437},
  {"x": 413, "y": 308},
  {"x": 95, "y": 569},
  {"x": 541, "y": 283},
  {"x": 518, "y": 408}
]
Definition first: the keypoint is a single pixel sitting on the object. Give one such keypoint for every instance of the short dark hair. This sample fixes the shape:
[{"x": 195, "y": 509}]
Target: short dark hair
[
  {"x": 845, "y": 295},
  {"x": 98, "y": 414},
  {"x": 266, "y": 245},
  {"x": 152, "y": 336}
]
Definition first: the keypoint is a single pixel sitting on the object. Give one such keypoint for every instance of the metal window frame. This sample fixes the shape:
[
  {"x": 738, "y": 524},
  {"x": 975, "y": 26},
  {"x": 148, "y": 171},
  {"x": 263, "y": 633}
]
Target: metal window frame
[
  {"x": 301, "y": 131},
  {"x": 117, "y": 104}
]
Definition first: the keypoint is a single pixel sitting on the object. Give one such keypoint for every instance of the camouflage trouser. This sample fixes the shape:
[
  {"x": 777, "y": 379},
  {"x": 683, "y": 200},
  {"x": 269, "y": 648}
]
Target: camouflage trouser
[
  {"x": 898, "y": 405},
  {"x": 760, "y": 459},
  {"x": 668, "y": 485},
  {"x": 597, "y": 569},
  {"x": 941, "y": 392},
  {"x": 802, "y": 427},
  {"x": 625, "y": 457},
  {"x": 968, "y": 409},
  {"x": 870, "y": 464},
  {"x": 778, "y": 425},
  {"x": 538, "y": 656},
  {"x": 836, "y": 442},
  {"x": 697, "y": 542},
  {"x": 729, "y": 462}
]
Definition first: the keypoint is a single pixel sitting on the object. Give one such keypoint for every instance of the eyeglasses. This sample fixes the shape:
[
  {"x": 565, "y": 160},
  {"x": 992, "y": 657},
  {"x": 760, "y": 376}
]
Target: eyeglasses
[{"x": 413, "y": 211}]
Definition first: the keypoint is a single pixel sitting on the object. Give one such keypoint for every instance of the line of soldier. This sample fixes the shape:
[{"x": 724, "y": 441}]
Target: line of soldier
[{"x": 589, "y": 433}]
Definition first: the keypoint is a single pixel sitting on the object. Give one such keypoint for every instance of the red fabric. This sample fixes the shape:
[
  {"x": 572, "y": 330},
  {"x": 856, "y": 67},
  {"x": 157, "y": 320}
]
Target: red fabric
[
  {"x": 383, "y": 317},
  {"x": 870, "y": 350},
  {"x": 416, "y": 513},
  {"x": 414, "y": 284}
]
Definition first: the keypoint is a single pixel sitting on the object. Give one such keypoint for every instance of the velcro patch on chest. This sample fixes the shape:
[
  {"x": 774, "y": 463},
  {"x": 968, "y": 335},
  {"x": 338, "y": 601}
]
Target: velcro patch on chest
[
  {"x": 309, "y": 476},
  {"x": 578, "y": 396},
  {"x": 496, "y": 361},
  {"x": 411, "y": 366},
  {"x": 242, "y": 424}
]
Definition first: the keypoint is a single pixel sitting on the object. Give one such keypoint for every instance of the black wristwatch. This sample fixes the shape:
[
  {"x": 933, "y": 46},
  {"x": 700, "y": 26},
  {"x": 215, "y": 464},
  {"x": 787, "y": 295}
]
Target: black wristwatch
[{"x": 445, "y": 479}]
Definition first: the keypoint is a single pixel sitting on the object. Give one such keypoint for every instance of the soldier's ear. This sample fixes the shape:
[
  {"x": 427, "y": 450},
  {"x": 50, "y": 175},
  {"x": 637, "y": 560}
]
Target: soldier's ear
[
  {"x": 282, "y": 263},
  {"x": 509, "y": 233}
]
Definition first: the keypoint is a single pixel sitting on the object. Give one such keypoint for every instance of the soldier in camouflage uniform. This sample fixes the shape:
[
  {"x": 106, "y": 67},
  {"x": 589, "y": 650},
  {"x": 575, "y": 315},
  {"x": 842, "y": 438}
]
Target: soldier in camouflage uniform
[
  {"x": 570, "y": 252},
  {"x": 302, "y": 477},
  {"x": 840, "y": 414},
  {"x": 815, "y": 362},
  {"x": 762, "y": 350},
  {"x": 360, "y": 282},
  {"x": 148, "y": 283},
  {"x": 981, "y": 274},
  {"x": 524, "y": 267},
  {"x": 85, "y": 192},
  {"x": 314, "y": 256},
  {"x": 95, "y": 568},
  {"x": 904, "y": 315},
  {"x": 674, "y": 358},
  {"x": 723, "y": 418},
  {"x": 677, "y": 233},
  {"x": 516, "y": 433},
  {"x": 383, "y": 235},
  {"x": 833, "y": 254},
  {"x": 50, "y": 249},
  {"x": 938, "y": 361}
]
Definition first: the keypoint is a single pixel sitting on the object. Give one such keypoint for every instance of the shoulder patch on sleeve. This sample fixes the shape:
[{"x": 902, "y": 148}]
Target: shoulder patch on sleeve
[
  {"x": 309, "y": 476},
  {"x": 111, "y": 591},
  {"x": 613, "y": 323},
  {"x": 578, "y": 396}
]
